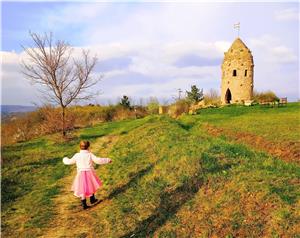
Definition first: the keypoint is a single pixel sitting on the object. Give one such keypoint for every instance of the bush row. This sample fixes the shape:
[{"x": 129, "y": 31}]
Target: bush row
[{"x": 48, "y": 120}]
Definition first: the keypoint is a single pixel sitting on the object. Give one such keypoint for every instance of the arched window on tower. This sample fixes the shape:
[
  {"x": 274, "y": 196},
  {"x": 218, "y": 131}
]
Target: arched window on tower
[
  {"x": 246, "y": 73},
  {"x": 234, "y": 73}
]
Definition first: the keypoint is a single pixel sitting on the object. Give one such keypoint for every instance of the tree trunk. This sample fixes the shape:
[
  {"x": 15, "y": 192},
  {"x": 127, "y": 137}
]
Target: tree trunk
[{"x": 63, "y": 122}]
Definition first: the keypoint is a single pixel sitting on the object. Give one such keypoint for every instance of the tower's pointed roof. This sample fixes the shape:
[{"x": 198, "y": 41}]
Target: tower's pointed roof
[
  {"x": 238, "y": 44},
  {"x": 238, "y": 50}
]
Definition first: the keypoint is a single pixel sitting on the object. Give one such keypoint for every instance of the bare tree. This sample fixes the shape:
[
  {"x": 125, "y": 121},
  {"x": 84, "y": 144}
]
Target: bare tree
[{"x": 63, "y": 79}]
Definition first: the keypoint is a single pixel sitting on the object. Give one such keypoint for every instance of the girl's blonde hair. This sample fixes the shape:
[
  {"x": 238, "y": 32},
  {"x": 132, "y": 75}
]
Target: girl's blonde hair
[{"x": 84, "y": 144}]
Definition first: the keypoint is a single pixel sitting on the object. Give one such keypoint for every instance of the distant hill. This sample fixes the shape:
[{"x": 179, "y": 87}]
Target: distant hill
[
  {"x": 6, "y": 109},
  {"x": 8, "y": 112}
]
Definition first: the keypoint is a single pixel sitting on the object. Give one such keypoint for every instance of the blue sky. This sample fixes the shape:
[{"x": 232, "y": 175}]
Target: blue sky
[{"x": 152, "y": 49}]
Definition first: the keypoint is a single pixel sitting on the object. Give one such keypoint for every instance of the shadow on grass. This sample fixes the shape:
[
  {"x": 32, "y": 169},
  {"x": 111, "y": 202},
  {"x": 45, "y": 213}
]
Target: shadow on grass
[
  {"x": 134, "y": 179},
  {"x": 185, "y": 125},
  {"x": 91, "y": 137},
  {"x": 26, "y": 145},
  {"x": 169, "y": 205}
]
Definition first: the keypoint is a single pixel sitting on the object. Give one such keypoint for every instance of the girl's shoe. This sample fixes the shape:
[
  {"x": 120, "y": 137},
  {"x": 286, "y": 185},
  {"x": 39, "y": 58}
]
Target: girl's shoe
[
  {"x": 84, "y": 205},
  {"x": 93, "y": 199}
]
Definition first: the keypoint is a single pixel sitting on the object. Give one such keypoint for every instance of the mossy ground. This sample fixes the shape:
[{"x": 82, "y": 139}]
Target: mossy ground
[{"x": 169, "y": 178}]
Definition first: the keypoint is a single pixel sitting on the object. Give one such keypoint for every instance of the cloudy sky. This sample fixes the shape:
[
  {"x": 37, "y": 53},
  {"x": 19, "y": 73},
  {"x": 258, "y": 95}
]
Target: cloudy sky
[{"x": 152, "y": 49}]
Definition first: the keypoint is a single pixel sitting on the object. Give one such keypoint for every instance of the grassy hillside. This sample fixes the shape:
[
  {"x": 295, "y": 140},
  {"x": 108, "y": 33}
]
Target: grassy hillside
[
  {"x": 169, "y": 178},
  {"x": 275, "y": 124},
  {"x": 273, "y": 130}
]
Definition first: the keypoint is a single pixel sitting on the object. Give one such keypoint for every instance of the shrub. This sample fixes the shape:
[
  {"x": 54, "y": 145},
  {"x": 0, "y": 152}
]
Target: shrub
[
  {"x": 51, "y": 119},
  {"x": 153, "y": 106},
  {"x": 108, "y": 113},
  {"x": 20, "y": 128},
  {"x": 179, "y": 107},
  {"x": 212, "y": 98},
  {"x": 267, "y": 96},
  {"x": 122, "y": 113},
  {"x": 140, "y": 111},
  {"x": 45, "y": 120},
  {"x": 88, "y": 115}
]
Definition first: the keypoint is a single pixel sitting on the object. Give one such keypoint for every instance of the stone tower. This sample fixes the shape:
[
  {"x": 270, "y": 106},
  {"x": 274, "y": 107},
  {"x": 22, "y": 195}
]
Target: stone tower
[{"x": 237, "y": 74}]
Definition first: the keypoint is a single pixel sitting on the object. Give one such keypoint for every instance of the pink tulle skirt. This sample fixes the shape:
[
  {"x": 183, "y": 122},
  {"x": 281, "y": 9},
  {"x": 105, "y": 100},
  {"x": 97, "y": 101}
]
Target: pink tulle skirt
[{"x": 86, "y": 183}]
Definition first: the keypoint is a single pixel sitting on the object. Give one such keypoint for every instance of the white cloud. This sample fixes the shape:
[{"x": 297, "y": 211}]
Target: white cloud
[
  {"x": 276, "y": 67},
  {"x": 269, "y": 49},
  {"x": 154, "y": 23},
  {"x": 15, "y": 88},
  {"x": 283, "y": 54},
  {"x": 289, "y": 14},
  {"x": 114, "y": 73},
  {"x": 9, "y": 57}
]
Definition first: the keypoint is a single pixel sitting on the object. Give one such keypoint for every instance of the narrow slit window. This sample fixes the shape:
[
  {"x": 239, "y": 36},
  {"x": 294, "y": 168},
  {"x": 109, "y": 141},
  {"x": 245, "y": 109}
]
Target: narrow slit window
[
  {"x": 234, "y": 73},
  {"x": 246, "y": 73}
]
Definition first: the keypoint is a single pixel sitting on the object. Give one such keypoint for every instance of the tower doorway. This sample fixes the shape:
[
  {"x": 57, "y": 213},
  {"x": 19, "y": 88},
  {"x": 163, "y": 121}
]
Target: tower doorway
[{"x": 228, "y": 96}]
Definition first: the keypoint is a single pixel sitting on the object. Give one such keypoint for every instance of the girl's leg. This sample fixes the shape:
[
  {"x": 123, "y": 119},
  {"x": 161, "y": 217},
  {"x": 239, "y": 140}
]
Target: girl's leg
[
  {"x": 93, "y": 199},
  {"x": 83, "y": 203}
]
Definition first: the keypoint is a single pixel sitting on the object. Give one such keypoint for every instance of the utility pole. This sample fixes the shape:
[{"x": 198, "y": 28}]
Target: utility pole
[{"x": 179, "y": 93}]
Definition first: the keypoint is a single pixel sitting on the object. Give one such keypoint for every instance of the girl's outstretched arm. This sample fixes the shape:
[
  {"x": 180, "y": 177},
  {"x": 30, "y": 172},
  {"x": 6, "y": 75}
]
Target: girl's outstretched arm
[
  {"x": 98, "y": 160},
  {"x": 68, "y": 161}
]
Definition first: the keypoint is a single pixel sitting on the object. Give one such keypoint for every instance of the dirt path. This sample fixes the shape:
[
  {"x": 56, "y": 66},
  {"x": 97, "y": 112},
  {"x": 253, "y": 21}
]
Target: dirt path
[
  {"x": 70, "y": 219},
  {"x": 287, "y": 151}
]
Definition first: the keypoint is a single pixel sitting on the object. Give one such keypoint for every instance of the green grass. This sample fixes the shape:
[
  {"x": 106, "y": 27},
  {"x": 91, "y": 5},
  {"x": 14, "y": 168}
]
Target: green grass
[
  {"x": 168, "y": 179},
  {"x": 274, "y": 124}
]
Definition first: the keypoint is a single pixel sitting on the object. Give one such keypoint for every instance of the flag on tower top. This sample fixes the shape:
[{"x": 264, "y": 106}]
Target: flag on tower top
[{"x": 236, "y": 26}]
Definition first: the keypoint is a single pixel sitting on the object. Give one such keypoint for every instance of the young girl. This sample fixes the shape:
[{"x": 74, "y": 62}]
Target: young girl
[{"x": 86, "y": 181}]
